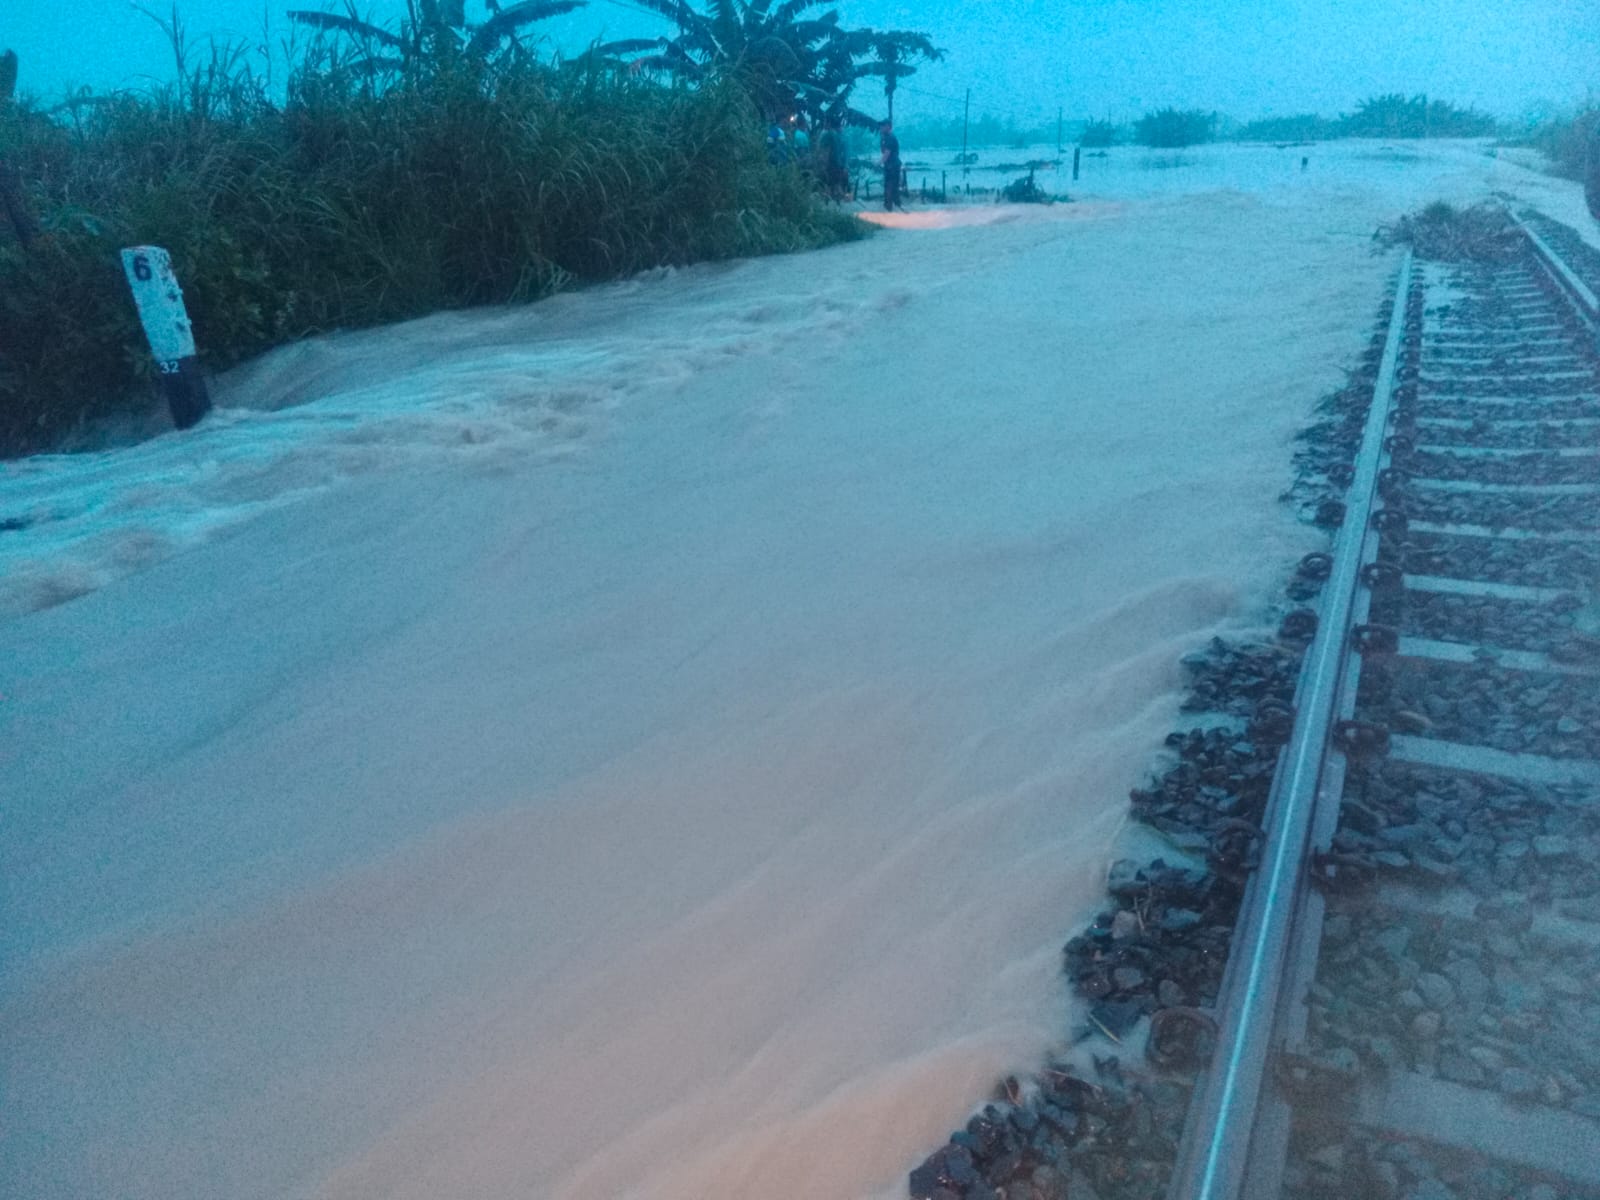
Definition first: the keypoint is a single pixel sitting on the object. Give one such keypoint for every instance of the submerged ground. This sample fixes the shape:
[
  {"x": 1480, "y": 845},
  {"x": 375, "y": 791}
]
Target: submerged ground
[{"x": 653, "y": 743}]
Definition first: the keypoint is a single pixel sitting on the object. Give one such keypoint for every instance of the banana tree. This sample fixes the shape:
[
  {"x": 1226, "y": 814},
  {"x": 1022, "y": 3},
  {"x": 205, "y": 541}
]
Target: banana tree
[
  {"x": 762, "y": 47},
  {"x": 434, "y": 32},
  {"x": 784, "y": 55},
  {"x": 505, "y": 25},
  {"x": 788, "y": 57},
  {"x": 895, "y": 53}
]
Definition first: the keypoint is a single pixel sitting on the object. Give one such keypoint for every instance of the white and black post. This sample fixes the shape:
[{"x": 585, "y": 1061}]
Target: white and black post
[{"x": 166, "y": 324}]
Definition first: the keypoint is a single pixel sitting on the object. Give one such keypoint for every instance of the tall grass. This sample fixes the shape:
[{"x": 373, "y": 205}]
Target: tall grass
[
  {"x": 348, "y": 204},
  {"x": 1566, "y": 143}
]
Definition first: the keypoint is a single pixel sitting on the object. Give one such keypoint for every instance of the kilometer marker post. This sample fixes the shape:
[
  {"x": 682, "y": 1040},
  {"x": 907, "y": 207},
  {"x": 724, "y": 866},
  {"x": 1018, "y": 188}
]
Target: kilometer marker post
[{"x": 159, "y": 300}]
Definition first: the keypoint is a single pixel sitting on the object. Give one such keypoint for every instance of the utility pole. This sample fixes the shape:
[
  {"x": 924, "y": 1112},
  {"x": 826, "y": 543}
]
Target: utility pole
[
  {"x": 1060, "y": 128},
  {"x": 966, "y": 161},
  {"x": 966, "y": 119}
]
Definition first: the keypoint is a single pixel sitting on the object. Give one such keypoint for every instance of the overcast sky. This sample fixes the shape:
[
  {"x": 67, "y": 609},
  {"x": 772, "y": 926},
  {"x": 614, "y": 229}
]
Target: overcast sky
[{"x": 1117, "y": 58}]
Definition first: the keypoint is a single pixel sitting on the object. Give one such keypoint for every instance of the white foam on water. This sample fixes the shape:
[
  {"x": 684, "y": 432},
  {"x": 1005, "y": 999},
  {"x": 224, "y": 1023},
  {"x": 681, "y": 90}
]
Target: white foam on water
[{"x": 652, "y": 743}]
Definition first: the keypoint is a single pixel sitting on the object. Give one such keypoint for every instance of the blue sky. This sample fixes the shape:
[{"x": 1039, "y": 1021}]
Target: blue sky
[{"x": 1116, "y": 58}]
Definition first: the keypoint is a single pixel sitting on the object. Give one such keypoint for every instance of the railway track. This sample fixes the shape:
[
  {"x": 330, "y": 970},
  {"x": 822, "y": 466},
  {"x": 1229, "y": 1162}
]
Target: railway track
[
  {"x": 1370, "y": 967},
  {"x": 1411, "y": 1005}
]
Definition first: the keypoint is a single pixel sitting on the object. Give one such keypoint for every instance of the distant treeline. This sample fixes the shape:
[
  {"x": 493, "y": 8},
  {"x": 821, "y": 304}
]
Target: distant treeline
[{"x": 1390, "y": 116}]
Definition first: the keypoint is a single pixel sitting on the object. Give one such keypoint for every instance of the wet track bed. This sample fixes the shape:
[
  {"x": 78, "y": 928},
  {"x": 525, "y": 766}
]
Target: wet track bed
[
  {"x": 1487, "y": 558},
  {"x": 1370, "y": 965},
  {"x": 1491, "y": 624},
  {"x": 1511, "y": 708},
  {"x": 1454, "y": 1012}
]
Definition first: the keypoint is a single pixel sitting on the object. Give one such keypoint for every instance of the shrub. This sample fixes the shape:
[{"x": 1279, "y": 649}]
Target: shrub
[
  {"x": 343, "y": 205},
  {"x": 1098, "y": 135},
  {"x": 1566, "y": 143},
  {"x": 1397, "y": 116},
  {"x": 1171, "y": 128}
]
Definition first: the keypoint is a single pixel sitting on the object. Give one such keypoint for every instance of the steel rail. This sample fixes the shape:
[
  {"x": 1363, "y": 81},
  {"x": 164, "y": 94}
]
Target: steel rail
[
  {"x": 1213, "y": 1154},
  {"x": 1579, "y": 293},
  {"x": 1236, "y": 1133}
]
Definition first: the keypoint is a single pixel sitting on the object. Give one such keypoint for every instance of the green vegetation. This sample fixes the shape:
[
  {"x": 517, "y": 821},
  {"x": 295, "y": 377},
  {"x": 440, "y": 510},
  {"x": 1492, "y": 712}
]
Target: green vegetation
[
  {"x": 1398, "y": 116},
  {"x": 1573, "y": 148},
  {"x": 1391, "y": 116},
  {"x": 1567, "y": 142},
  {"x": 786, "y": 61},
  {"x": 397, "y": 173},
  {"x": 1097, "y": 135},
  {"x": 436, "y": 34},
  {"x": 1173, "y": 129}
]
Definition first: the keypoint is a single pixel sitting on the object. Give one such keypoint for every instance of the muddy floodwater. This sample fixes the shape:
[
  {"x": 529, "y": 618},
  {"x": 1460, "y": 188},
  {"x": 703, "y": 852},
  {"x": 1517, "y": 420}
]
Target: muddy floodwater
[{"x": 655, "y": 742}]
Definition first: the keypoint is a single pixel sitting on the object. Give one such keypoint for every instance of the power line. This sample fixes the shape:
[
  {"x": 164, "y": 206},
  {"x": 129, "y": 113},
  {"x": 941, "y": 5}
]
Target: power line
[
  {"x": 988, "y": 110},
  {"x": 906, "y": 87}
]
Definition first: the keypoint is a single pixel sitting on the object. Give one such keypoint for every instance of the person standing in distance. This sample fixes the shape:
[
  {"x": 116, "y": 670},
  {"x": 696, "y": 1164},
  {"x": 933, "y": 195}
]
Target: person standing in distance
[
  {"x": 838, "y": 162},
  {"x": 889, "y": 146},
  {"x": 777, "y": 145}
]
